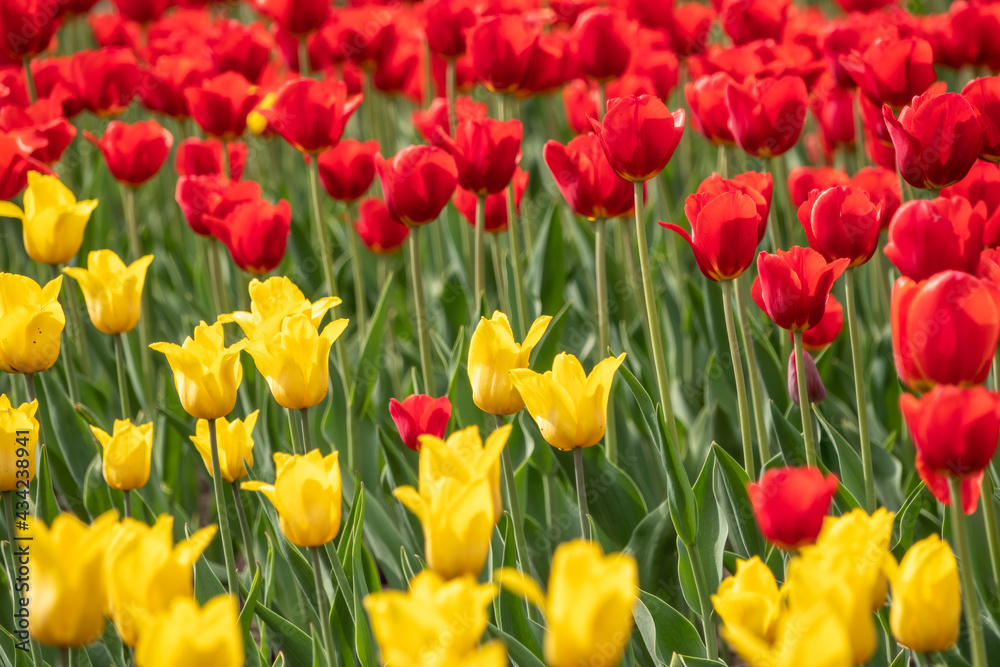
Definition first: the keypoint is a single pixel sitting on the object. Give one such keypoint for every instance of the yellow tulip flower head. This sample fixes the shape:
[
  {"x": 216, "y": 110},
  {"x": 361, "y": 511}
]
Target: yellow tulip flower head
[
  {"x": 750, "y": 599},
  {"x": 67, "y": 581},
  {"x": 463, "y": 456},
  {"x": 589, "y": 604},
  {"x": 235, "y": 440},
  {"x": 306, "y": 494},
  {"x": 271, "y": 301},
  {"x": 926, "y": 597},
  {"x": 127, "y": 454},
  {"x": 256, "y": 122},
  {"x": 210, "y": 636},
  {"x": 18, "y": 439},
  {"x": 112, "y": 290},
  {"x": 296, "y": 360},
  {"x": 437, "y": 623},
  {"x": 52, "y": 220},
  {"x": 206, "y": 372},
  {"x": 865, "y": 541},
  {"x": 31, "y": 324},
  {"x": 493, "y": 353},
  {"x": 146, "y": 572},
  {"x": 570, "y": 407}
]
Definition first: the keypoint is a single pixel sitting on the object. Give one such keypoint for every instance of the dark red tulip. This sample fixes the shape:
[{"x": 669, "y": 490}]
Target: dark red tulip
[
  {"x": 603, "y": 43},
  {"x": 984, "y": 95},
  {"x": 501, "y": 47},
  {"x": 833, "y": 109},
  {"x": 971, "y": 486},
  {"x": 446, "y": 25},
  {"x": 815, "y": 390},
  {"x": 28, "y": 26},
  {"x": 840, "y": 39},
  {"x": 651, "y": 13},
  {"x": 706, "y": 98},
  {"x": 221, "y": 104},
  {"x": 926, "y": 237},
  {"x": 879, "y": 153},
  {"x": 299, "y": 17},
  {"x": 982, "y": 184},
  {"x": 757, "y": 185},
  {"x": 348, "y": 169},
  {"x": 690, "y": 27},
  {"x": 803, "y": 180},
  {"x": 311, "y": 115},
  {"x": 965, "y": 35},
  {"x": 660, "y": 67},
  {"x": 882, "y": 184},
  {"x": 377, "y": 229},
  {"x": 496, "y": 205},
  {"x": 78, "y": 7},
  {"x": 580, "y": 100},
  {"x": 864, "y": 5},
  {"x": 43, "y": 119},
  {"x": 747, "y": 20},
  {"x": 436, "y": 116},
  {"x": 823, "y": 334},
  {"x": 724, "y": 232},
  {"x": 211, "y": 195},
  {"x": 366, "y": 38},
  {"x": 568, "y": 11},
  {"x": 113, "y": 29},
  {"x": 790, "y": 504},
  {"x": 400, "y": 71},
  {"x": 419, "y": 415},
  {"x": 585, "y": 178},
  {"x": 944, "y": 329},
  {"x": 106, "y": 80},
  {"x": 893, "y": 71},
  {"x": 168, "y": 77},
  {"x": 486, "y": 153},
  {"x": 203, "y": 157},
  {"x": 16, "y": 161},
  {"x": 417, "y": 183},
  {"x": 236, "y": 47},
  {"x": 133, "y": 153},
  {"x": 766, "y": 115},
  {"x": 842, "y": 223},
  {"x": 792, "y": 286},
  {"x": 256, "y": 234},
  {"x": 937, "y": 139},
  {"x": 639, "y": 135},
  {"x": 141, "y": 11}
]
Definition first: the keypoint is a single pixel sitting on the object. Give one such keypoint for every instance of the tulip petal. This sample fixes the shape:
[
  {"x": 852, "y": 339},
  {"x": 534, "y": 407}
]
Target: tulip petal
[{"x": 520, "y": 584}]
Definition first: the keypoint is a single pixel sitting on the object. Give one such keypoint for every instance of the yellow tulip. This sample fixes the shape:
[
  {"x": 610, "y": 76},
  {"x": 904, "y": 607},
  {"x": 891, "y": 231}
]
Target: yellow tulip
[
  {"x": 66, "y": 579},
  {"x": 206, "y": 372},
  {"x": 127, "y": 454},
  {"x": 296, "y": 361},
  {"x": 256, "y": 122},
  {"x": 271, "y": 301},
  {"x": 112, "y": 290},
  {"x": 464, "y": 456},
  {"x": 18, "y": 438},
  {"x": 865, "y": 541},
  {"x": 493, "y": 353},
  {"x": 210, "y": 636},
  {"x": 750, "y": 599},
  {"x": 589, "y": 604},
  {"x": 814, "y": 636},
  {"x": 52, "y": 220},
  {"x": 926, "y": 597},
  {"x": 436, "y": 623},
  {"x": 306, "y": 494},
  {"x": 146, "y": 572},
  {"x": 235, "y": 440},
  {"x": 31, "y": 324},
  {"x": 570, "y": 407}
]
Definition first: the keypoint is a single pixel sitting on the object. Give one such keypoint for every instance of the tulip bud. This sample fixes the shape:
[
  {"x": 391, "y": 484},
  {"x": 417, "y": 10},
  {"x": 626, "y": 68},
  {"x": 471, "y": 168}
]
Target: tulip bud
[
  {"x": 53, "y": 221},
  {"x": 493, "y": 353},
  {"x": 815, "y": 390},
  {"x": 113, "y": 291},
  {"x": 791, "y": 503},
  {"x": 926, "y": 597},
  {"x": 127, "y": 454},
  {"x": 184, "y": 633},
  {"x": 133, "y": 153},
  {"x": 26, "y": 307},
  {"x": 420, "y": 415}
]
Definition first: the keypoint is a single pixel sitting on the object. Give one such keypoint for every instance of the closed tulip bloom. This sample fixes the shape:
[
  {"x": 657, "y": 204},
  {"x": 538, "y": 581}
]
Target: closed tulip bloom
[
  {"x": 790, "y": 503},
  {"x": 201, "y": 197},
  {"x": 984, "y": 95},
  {"x": 235, "y": 440},
  {"x": 892, "y": 70},
  {"x": 749, "y": 600},
  {"x": 299, "y": 17},
  {"x": 127, "y": 454},
  {"x": 273, "y": 300},
  {"x": 255, "y": 233},
  {"x": 747, "y": 20},
  {"x": 68, "y": 586},
  {"x": 815, "y": 389},
  {"x": 306, "y": 495},
  {"x": 348, "y": 169},
  {"x": 486, "y": 153},
  {"x": 706, "y": 98},
  {"x": 937, "y": 139},
  {"x": 944, "y": 329},
  {"x": 52, "y": 220},
  {"x": 926, "y": 597},
  {"x": 133, "y": 153},
  {"x": 501, "y": 47},
  {"x": 210, "y": 636},
  {"x": 464, "y": 456},
  {"x": 602, "y": 40},
  {"x": 639, "y": 135},
  {"x": 927, "y": 237},
  {"x": 420, "y": 415},
  {"x": 435, "y": 622},
  {"x": 689, "y": 26},
  {"x": 113, "y": 291},
  {"x": 141, "y": 11},
  {"x": 203, "y": 157},
  {"x": 436, "y": 116},
  {"x": 725, "y": 229},
  {"x": 842, "y": 223},
  {"x": 586, "y": 179},
  {"x": 882, "y": 184},
  {"x": 803, "y": 180},
  {"x": 379, "y": 231},
  {"x": 221, "y": 105},
  {"x": 25, "y": 307},
  {"x": 146, "y": 571},
  {"x": 447, "y": 22},
  {"x": 310, "y": 114},
  {"x": 766, "y": 115},
  {"x": 493, "y": 353},
  {"x": 792, "y": 286},
  {"x": 826, "y": 331},
  {"x": 417, "y": 183},
  {"x": 756, "y": 185},
  {"x": 28, "y": 27},
  {"x": 206, "y": 372},
  {"x": 18, "y": 431},
  {"x": 569, "y": 406}
]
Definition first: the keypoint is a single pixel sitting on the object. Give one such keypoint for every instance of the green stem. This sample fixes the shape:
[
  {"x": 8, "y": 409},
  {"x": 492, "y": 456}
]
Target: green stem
[
  {"x": 480, "y": 243},
  {"x": 127, "y": 495},
  {"x": 990, "y": 519},
  {"x": 319, "y": 230},
  {"x": 741, "y": 387},
  {"x": 145, "y": 354},
  {"x": 244, "y": 526},
  {"x": 721, "y": 164},
  {"x": 804, "y": 405},
  {"x": 66, "y": 354},
  {"x": 214, "y": 277},
  {"x": 232, "y": 583},
  {"x": 779, "y": 171},
  {"x": 78, "y": 334},
  {"x": 306, "y": 434},
  {"x": 29, "y": 382},
  {"x": 418, "y": 298},
  {"x": 361, "y": 307},
  {"x": 960, "y": 537},
  {"x": 323, "y": 605},
  {"x": 604, "y": 327},
  {"x": 515, "y": 248},
  {"x": 756, "y": 392},
  {"x": 860, "y": 158},
  {"x": 293, "y": 427},
  {"x": 303, "y": 57},
  {"x": 653, "y": 319},
  {"x": 581, "y": 494},
  {"x": 602, "y": 104},
  {"x": 514, "y": 505},
  {"x": 227, "y": 169},
  {"x": 859, "y": 391},
  {"x": 352, "y": 440},
  {"x": 498, "y": 273},
  {"x": 701, "y": 584},
  {"x": 450, "y": 77},
  {"x": 122, "y": 384},
  {"x": 8, "y": 509},
  {"x": 29, "y": 81}
]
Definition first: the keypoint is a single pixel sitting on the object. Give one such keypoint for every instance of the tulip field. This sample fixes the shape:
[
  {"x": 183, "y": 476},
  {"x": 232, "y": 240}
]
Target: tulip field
[{"x": 474, "y": 333}]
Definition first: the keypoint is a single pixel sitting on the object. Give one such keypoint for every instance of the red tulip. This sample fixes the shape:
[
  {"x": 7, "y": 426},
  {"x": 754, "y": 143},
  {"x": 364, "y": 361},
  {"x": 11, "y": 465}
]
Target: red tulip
[
  {"x": 815, "y": 390},
  {"x": 400, "y": 70},
  {"x": 965, "y": 35},
  {"x": 792, "y": 286},
  {"x": 926, "y": 237},
  {"x": 236, "y": 47},
  {"x": 447, "y": 21},
  {"x": 585, "y": 178},
  {"x": 203, "y": 157},
  {"x": 45, "y": 120},
  {"x": 256, "y": 234},
  {"x": 864, "y": 5},
  {"x": 486, "y": 153},
  {"x": 551, "y": 65},
  {"x": 78, "y": 7},
  {"x": 299, "y": 17},
  {"x": 893, "y": 71},
  {"x": 971, "y": 486},
  {"x": 882, "y": 184},
  {"x": 602, "y": 40},
  {"x": 16, "y": 161},
  {"x": 366, "y": 38},
  {"x": 842, "y": 223},
  {"x": 823, "y": 334},
  {"x": 419, "y": 415},
  {"x": 706, "y": 98},
  {"x": 803, "y": 180},
  {"x": 568, "y": 11},
  {"x": 791, "y": 503},
  {"x": 348, "y": 169},
  {"x": 377, "y": 229},
  {"x": 28, "y": 26},
  {"x": 134, "y": 153},
  {"x": 747, "y": 20},
  {"x": 113, "y": 29},
  {"x": 436, "y": 116},
  {"x": 105, "y": 81},
  {"x": 724, "y": 232},
  {"x": 311, "y": 115},
  {"x": 211, "y": 195},
  {"x": 580, "y": 100},
  {"x": 496, "y": 205},
  {"x": 639, "y": 135},
  {"x": 221, "y": 104},
  {"x": 501, "y": 47},
  {"x": 944, "y": 329},
  {"x": 984, "y": 95},
  {"x": 937, "y": 139},
  {"x": 652, "y": 13},
  {"x": 690, "y": 27},
  {"x": 955, "y": 433},
  {"x": 168, "y": 78},
  {"x": 141, "y": 11},
  {"x": 989, "y": 266},
  {"x": 417, "y": 183},
  {"x": 766, "y": 115},
  {"x": 982, "y": 185},
  {"x": 833, "y": 109},
  {"x": 755, "y": 184}
]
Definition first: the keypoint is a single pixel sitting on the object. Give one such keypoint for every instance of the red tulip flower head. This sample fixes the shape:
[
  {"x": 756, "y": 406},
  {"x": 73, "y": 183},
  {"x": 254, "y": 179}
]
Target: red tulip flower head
[
  {"x": 501, "y": 47},
  {"x": 882, "y": 184},
  {"x": 639, "y": 135},
  {"x": 757, "y": 185},
  {"x": 133, "y": 153},
  {"x": 982, "y": 186},
  {"x": 748, "y": 20},
  {"x": 221, "y": 104},
  {"x": 105, "y": 80},
  {"x": 724, "y": 232},
  {"x": 211, "y": 195},
  {"x": 842, "y": 222},
  {"x": 348, "y": 169},
  {"x": 803, "y": 180},
  {"x": 706, "y": 98},
  {"x": 791, "y": 503},
  {"x": 984, "y": 95},
  {"x": 690, "y": 27},
  {"x": 44, "y": 121},
  {"x": 436, "y": 116},
  {"x": 418, "y": 182},
  {"x": 311, "y": 115},
  {"x": 496, "y": 220},
  {"x": 447, "y": 21},
  {"x": 167, "y": 79},
  {"x": 815, "y": 390},
  {"x": 141, "y": 11},
  {"x": 203, "y": 157},
  {"x": 792, "y": 286},
  {"x": 16, "y": 161},
  {"x": 927, "y": 237},
  {"x": 256, "y": 234},
  {"x": 893, "y": 70},
  {"x": 766, "y": 115},
  {"x": 586, "y": 180},
  {"x": 486, "y": 153},
  {"x": 28, "y": 26},
  {"x": 602, "y": 40},
  {"x": 823, "y": 334},
  {"x": 299, "y": 17},
  {"x": 419, "y": 415},
  {"x": 937, "y": 139},
  {"x": 382, "y": 234}
]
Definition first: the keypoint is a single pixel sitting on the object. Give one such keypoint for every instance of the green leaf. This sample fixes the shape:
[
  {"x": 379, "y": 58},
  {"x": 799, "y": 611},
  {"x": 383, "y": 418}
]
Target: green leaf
[
  {"x": 246, "y": 614},
  {"x": 46, "y": 507},
  {"x": 370, "y": 359},
  {"x": 743, "y": 530},
  {"x": 652, "y": 546},
  {"x": 712, "y": 530},
  {"x": 516, "y": 651},
  {"x": 548, "y": 347},
  {"x": 364, "y": 642},
  {"x": 549, "y": 270},
  {"x": 665, "y": 630},
  {"x": 289, "y": 639},
  {"x": 852, "y": 474}
]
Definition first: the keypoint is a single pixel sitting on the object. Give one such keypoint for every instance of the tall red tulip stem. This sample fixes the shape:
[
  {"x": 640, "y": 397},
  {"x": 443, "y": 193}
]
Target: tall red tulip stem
[
  {"x": 480, "y": 245},
  {"x": 960, "y": 541},
  {"x": 805, "y": 407},
  {"x": 319, "y": 230},
  {"x": 756, "y": 393},
  {"x": 604, "y": 326},
  {"x": 303, "y": 57},
  {"x": 786, "y": 219},
  {"x": 449, "y": 84},
  {"x": 722, "y": 164},
  {"x": 418, "y": 300},
  {"x": 227, "y": 168},
  {"x": 859, "y": 390},
  {"x": 741, "y": 387},
  {"x": 29, "y": 81},
  {"x": 232, "y": 583},
  {"x": 860, "y": 158},
  {"x": 602, "y": 102},
  {"x": 510, "y": 112}
]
